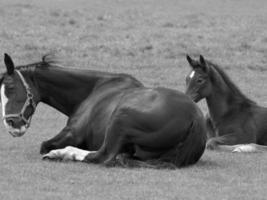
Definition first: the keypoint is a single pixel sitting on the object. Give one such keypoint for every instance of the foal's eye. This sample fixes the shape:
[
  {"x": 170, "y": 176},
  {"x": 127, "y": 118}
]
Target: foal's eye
[{"x": 186, "y": 79}]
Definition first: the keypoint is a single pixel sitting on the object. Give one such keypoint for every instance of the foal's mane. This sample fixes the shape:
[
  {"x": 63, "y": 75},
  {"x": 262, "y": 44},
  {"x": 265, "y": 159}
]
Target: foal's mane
[{"x": 238, "y": 95}]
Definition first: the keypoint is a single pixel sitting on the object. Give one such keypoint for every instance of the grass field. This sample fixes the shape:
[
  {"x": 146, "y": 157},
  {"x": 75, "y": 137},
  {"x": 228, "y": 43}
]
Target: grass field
[{"x": 148, "y": 39}]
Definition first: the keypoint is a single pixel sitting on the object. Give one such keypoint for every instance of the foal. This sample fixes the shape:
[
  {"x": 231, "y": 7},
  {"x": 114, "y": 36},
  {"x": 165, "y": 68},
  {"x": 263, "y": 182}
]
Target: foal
[{"x": 234, "y": 118}]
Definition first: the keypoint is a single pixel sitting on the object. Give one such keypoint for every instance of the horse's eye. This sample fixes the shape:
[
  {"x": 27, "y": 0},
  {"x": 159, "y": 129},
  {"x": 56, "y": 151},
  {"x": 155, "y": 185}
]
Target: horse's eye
[
  {"x": 10, "y": 86},
  {"x": 200, "y": 81}
]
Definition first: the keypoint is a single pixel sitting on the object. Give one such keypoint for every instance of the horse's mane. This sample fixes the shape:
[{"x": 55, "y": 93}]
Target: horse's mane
[
  {"x": 238, "y": 95},
  {"x": 47, "y": 60}
]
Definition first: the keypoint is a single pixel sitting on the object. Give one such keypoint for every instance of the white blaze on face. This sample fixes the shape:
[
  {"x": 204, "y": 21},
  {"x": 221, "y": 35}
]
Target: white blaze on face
[
  {"x": 192, "y": 74},
  {"x": 4, "y": 101},
  {"x": 16, "y": 132}
]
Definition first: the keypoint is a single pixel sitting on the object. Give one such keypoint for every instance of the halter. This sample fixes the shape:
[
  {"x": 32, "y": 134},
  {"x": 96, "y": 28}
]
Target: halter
[{"x": 29, "y": 102}]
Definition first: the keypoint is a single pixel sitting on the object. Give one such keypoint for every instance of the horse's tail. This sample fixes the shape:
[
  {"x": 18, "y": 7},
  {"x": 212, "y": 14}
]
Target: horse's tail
[{"x": 191, "y": 149}]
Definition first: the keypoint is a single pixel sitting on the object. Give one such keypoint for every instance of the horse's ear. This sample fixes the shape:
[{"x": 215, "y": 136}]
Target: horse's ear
[
  {"x": 203, "y": 63},
  {"x": 191, "y": 61},
  {"x": 202, "y": 60},
  {"x": 9, "y": 64}
]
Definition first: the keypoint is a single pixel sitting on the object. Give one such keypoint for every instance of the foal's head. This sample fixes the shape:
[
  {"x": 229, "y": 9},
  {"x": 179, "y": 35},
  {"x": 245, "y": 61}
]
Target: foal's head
[
  {"x": 198, "y": 83},
  {"x": 17, "y": 98}
]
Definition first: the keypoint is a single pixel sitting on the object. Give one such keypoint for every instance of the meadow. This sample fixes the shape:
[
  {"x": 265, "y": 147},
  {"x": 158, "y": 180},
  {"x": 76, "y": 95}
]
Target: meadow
[{"x": 149, "y": 40}]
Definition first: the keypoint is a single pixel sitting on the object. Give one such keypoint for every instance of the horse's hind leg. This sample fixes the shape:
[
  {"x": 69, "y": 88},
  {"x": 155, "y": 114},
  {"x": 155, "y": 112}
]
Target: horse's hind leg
[{"x": 113, "y": 143}]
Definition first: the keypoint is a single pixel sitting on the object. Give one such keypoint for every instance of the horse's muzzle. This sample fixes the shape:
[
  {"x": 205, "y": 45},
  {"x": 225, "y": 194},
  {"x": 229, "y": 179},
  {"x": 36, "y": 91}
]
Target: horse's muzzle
[{"x": 17, "y": 132}]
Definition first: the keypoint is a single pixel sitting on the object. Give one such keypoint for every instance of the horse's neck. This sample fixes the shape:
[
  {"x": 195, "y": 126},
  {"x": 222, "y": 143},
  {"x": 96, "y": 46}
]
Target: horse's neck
[
  {"x": 218, "y": 106},
  {"x": 225, "y": 97},
  {"x": 62, "y": 88},
  {"x": 220, "y": 101}
]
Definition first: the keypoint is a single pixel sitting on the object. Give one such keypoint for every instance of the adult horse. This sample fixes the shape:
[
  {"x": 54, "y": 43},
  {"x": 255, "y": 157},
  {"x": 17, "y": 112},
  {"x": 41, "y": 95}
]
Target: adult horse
[
  {"x": 109, "y": 115},
  {"x": 234, "y": 118}
]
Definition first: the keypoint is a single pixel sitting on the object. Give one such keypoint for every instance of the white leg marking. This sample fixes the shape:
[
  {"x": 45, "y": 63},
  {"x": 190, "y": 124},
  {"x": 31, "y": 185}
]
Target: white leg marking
[
  {"x": 68, "y": 153},
  {"x": 4, "y": 101},
  {"x": 246, "y": 148},
  {"x": 192, "y": 74}
]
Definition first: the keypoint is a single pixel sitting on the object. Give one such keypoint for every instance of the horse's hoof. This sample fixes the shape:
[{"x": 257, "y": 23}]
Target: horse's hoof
[
  {"x": 237, "y": 150},
  {"x": 110, "y": 163},
  {"x": 211, "y": 145},
  {"x": 48, "y": 157},
  {"x": 91, "y": 158},
  {"x": 247, "y": 148},
  {"x": 44, "y": 148},
  {"x": 121, "y": 159},
  {"x": 54, "y": 155}
]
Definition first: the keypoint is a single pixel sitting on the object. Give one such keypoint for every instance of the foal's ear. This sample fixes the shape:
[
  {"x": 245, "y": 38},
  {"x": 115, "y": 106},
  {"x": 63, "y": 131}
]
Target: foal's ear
[
  {"x": 203, "y": 63},
  {"x": 9, "y": 64},
  {"x": 192, "y": 62}
]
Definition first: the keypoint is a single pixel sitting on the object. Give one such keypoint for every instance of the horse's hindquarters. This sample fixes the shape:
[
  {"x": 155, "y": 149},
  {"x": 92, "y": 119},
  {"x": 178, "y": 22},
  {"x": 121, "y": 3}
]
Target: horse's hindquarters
[{"x": 159, "y": 122}]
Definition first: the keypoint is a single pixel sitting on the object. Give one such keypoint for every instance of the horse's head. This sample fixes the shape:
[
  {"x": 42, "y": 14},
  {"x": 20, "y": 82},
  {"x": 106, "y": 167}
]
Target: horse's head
[
  {"x": 18, "y": 104},
  {"x": 198, "y": 84}
]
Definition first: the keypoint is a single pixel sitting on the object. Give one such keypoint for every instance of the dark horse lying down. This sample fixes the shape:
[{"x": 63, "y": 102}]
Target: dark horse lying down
[
  {"x": 112, "y": 117},
  {"x": 234, "y": 118}
]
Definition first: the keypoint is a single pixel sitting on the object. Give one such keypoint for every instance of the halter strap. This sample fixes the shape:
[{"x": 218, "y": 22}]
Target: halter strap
[
  {"x": 27, "y": 87},
  {"x": 29, "y": 102}
]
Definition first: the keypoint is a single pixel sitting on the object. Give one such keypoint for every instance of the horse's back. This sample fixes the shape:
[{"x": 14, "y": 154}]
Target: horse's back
[{"x": 158, "y": 105}]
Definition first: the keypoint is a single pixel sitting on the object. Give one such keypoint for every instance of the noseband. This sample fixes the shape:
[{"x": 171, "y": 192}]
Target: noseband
[{"x": 29, "y": 102}]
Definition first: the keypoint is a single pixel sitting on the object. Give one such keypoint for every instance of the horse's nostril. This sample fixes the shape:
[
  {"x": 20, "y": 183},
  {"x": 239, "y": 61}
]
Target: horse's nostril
[{"x": 10, "y": 122}]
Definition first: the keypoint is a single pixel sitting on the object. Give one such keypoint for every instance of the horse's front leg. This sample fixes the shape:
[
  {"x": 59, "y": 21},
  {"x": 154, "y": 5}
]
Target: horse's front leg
[
  {"x": 66, "y": 137},
  {"x": 115, "y": 138},
  {"x": 211, "y": 129},
  {"x": 67, "y": 153},
  {"x": 233, "y": 143},
  {"x": 249, "y": 148}
]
